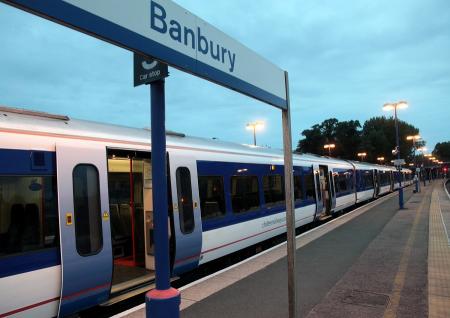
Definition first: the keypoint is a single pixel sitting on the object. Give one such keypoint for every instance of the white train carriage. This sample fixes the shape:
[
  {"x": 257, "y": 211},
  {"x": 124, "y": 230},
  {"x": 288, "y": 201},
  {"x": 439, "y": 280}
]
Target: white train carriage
[
  {"x": 384, "y": 178},
  {"x": 76, "y": 210},
  {"x": 365, "y": 179}
]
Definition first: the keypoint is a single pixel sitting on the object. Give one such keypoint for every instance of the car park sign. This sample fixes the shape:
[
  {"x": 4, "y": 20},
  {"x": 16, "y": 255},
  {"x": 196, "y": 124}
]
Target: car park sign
[
  {"x": 147, "y": 70},
  {"x": 171, "y": 34}
]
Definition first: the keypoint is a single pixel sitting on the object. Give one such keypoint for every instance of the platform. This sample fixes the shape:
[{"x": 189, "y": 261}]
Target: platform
[{"x": 376, "y": 261}]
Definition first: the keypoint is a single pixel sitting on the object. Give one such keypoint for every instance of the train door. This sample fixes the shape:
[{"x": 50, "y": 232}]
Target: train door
[
  {"x": 130, "y": 204},
  {"x": 186, "y": 213},
  {"x": 325, "y": 187},
  {"x": 320, "y": 208},
  {"x": 84, "y": 226},
  {"x": 376, "y": 178},
  {"x": 332, "y": 189}
]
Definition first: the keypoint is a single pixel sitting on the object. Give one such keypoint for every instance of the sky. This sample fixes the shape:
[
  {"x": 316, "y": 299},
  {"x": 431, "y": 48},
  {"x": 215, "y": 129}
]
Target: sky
[{"x": 345, "y": 60}]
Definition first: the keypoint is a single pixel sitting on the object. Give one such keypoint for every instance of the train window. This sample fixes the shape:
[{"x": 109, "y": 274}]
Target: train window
[
  {"x": 351, "y": 180},
  {"x": 384, "y": 178},
  {"x": 244, "y": 193},
  {"x": 185, "y": 206},
  {"x": 336, "y": 182},
  {"x": 273, "y": 190},
  {"x": 212, "y": 198},
  {"x": 87, "y": 209},
  {"x": 28, "y": 214},
  {"x": 368, "y": 180},
  {"x": 343, "y": 186},
  {"x": 297, "y": 188},
  {"x": 309, "y": 185}
]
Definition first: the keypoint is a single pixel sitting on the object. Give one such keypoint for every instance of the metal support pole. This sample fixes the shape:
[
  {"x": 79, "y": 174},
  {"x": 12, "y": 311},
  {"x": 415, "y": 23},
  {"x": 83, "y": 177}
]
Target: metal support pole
[
  {"x": 415, "y": 166},
  {"x": 400, "y": 190},
  {"x": 254, "y": 135},
  {"x": 290, "y": 212},
  {"x": 163, "y": 301}
]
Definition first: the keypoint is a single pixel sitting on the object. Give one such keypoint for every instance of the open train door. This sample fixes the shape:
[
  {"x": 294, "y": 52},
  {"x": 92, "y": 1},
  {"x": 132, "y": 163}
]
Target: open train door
[
  {"x": 376, "y": 180},
  {"x": 320, "y": 208},
  {"x": 85, "y": 239},
  {"x": 332, "y": 188}
]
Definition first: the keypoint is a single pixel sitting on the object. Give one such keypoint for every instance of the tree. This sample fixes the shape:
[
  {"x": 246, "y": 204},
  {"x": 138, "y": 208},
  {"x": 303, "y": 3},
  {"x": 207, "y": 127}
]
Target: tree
[
  {"x": 348, "y": 137},
  {"x": 442, "y": 151},
  {"x": 345, "y": 135},
  {"x": 376, "y": 138},
  {"x": 313, "y": 138}
]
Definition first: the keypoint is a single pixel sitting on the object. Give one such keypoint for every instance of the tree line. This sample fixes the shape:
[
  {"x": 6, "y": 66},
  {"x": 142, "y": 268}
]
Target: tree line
[{"x": 376, "y": 137}]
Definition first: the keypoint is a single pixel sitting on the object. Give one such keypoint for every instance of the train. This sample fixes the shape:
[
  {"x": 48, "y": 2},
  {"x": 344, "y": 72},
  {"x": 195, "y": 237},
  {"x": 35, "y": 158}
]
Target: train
[{"x": 76, "y": 215}]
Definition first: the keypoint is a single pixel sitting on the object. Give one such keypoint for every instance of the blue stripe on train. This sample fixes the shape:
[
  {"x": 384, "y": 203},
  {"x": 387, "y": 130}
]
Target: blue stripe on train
[{"x": 27, "y": 262}]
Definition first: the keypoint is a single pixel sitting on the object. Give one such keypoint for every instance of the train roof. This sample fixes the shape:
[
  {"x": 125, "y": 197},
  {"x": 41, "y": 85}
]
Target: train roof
[{"x": 15, "y": 119}]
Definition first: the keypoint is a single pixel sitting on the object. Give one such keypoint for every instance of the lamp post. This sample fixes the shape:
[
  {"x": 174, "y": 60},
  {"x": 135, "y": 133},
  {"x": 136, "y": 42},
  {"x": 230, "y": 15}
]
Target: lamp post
[
  {"x": 380, "y": 160},
  {"x": 329, "y": 147},
  {"x": 254, "y": 126},
  {"x": 394, "y": 107},
  {"x": 362, "y": 155}
]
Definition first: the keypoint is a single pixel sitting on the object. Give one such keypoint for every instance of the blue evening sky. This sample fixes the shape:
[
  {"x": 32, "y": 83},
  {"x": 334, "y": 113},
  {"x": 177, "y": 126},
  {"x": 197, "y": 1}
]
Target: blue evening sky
[{"x": 345, "y": 59}]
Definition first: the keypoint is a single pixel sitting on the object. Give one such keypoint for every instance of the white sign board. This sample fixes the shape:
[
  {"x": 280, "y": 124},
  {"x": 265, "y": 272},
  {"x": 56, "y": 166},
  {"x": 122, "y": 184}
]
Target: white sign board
[
  {"x": 399, "y": 162},
  {"x": 171, "y": 34}
]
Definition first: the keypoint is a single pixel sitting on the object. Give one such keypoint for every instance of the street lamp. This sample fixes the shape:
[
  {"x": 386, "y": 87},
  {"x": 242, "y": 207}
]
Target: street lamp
[
  {"x": 413, "y": 138},
  {"x": 329, "y": 147},
  {"x": 394, "y": 107},
  {"x": 362, "y": 155},
  {"x": 380, "y": 159},
  {"x": 254, "y": 126}
]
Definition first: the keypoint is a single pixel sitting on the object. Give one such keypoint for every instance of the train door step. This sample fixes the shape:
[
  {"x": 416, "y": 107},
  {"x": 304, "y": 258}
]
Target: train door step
[
  {"x": 129, "y": 284},
  {"x": 125, "y": 295},
  {"x": 324, "y": 217},
  {"x": 130, "y": 289}
]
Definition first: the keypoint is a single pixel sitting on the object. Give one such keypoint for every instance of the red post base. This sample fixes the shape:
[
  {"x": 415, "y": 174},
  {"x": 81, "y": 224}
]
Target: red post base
[{"x": 163, "y": 303}]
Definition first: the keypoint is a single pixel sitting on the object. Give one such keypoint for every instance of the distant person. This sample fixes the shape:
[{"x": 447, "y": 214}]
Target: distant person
[{"x": 416, "y": 183}]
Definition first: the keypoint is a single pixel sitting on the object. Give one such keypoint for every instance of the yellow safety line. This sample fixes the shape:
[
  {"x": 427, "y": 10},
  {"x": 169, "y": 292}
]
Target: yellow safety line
[{"x": 399, "y": 281}]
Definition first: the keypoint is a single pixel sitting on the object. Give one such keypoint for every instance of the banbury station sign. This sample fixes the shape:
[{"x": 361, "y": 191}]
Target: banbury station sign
[{"x": 171, "y": 34}]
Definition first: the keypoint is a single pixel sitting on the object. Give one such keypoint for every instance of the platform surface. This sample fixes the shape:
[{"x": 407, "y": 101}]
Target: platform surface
[{"x": 376, "y": 261}]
